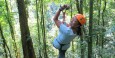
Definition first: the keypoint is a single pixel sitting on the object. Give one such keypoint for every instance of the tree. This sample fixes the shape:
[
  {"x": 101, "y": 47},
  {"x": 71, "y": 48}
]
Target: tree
[
  {"x": 5, "y": 46},
  {"x": 38, "y": 29},
  {"x": 27, "y": 44},
  {"x": 43, "y": 29},
  {"x": 90, "y": 30},
  {"x": 79, "y": 5},
  {"x": 8, "y": 17}
]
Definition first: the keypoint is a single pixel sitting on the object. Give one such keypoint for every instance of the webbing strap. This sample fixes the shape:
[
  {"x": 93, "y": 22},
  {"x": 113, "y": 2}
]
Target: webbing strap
[{"x": 61, "y": 45}]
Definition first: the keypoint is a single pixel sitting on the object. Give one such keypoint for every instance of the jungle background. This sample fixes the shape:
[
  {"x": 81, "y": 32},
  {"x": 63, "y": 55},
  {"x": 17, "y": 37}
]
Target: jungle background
[{"x": 27, "y": 29}]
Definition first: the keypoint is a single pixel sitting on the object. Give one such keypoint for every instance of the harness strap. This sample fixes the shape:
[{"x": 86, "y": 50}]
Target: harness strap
[{"x": 61, "y": 45}]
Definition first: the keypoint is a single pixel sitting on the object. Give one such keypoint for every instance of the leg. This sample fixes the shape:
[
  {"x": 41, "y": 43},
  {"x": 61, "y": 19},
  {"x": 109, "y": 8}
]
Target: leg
[{"x": 62, "y": 53}]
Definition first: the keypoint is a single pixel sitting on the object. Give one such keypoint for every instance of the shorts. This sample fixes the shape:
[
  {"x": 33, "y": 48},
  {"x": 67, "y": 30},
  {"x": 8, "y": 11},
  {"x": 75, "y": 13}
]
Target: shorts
[{"x": 58, "y": 46}]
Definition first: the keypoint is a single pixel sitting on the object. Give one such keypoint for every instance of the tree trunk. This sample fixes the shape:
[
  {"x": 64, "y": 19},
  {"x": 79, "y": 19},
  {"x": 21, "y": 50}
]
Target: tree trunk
[
  {"x": 79, "y": 6},
  {"x": 11, "y": 29},
  {"x": 90, "y": 30},
  {"x": 4, "y": 42},
  {"x": 39, "y": 55},
  {"x": 43, "y": 29},
  {"x": 81, "y": 37},
  {"x": 103, "y": 23},
  {"x": 99, "y": 14},
  {"x": 5, "y": 46},
  {"x": 71, "y": 17},
  {"x": 27, "y": 44},
  {"x": 98, "y": 23}
]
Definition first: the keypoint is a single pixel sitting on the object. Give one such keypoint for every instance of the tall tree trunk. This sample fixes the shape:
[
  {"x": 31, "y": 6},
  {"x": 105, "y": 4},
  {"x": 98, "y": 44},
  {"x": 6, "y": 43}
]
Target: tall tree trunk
[
  {"x": 27, "y": 44},
  {"x": 43, "y": 30},
  {"x": 79, "y": 5},
  {"x": 81, "y": 37},
  {"x": 5, "y": 46},
  {"x": 71, "y": 17},
  {"x": 90, "y": 30},
  {"x": 98, "y": 23},
  {"x": 39, "y": 56},
  {"x": 11, "y": 29},
  {"x": 4, "y": 42},
  {"x": 103, "y": 22},
  {"x": 99, "y": 14}
]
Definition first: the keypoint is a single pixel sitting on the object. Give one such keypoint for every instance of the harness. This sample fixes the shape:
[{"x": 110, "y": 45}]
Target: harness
[{"x": 61, "y": 45}]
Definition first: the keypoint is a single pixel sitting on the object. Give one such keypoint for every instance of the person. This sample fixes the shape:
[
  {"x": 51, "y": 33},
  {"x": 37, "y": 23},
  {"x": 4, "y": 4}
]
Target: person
[{"x": 67, "y": 33}]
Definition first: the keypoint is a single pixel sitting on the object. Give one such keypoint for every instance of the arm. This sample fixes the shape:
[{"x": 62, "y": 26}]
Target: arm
[
  {"x": 57, "y": 22},
  {"x": 64, "y": 20}
]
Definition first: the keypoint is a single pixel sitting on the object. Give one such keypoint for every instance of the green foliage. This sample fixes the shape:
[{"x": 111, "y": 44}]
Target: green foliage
[{"x": 107, "y": 32}]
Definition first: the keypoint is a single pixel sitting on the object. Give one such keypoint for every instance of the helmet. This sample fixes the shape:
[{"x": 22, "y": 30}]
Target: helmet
[{"x": 81, "y": 19}]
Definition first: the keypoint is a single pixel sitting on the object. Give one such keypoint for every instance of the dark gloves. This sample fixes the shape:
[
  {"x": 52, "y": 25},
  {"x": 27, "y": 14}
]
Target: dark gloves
[{"x": 64, "y": 7}]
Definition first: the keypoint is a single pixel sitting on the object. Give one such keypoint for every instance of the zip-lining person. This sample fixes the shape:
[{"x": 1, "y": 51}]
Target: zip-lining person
[{"x": 67, "y": 33}]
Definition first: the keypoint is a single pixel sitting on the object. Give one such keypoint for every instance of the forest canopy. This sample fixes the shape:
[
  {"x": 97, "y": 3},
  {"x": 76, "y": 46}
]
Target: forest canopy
[{"x": 27, "y": 29}]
